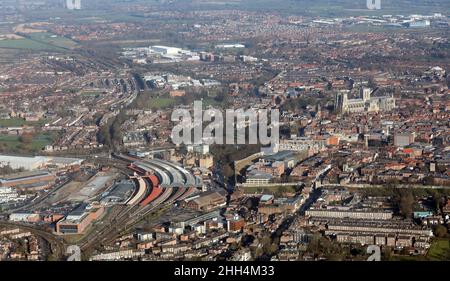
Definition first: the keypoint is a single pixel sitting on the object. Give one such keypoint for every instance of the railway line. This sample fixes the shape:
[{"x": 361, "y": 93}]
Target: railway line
[
  {"x": 56, "y": 243},
  {"x": 160, "y": 184}
]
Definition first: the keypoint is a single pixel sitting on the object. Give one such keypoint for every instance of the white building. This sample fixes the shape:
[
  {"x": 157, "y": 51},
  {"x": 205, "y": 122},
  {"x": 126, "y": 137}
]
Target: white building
[
  {"x": 230, "y": 46},
  {"x": 21, "y": 217},
  {"x": 166, "y": 50},
  {"x": 301, "y": 144},
  {"x": 27, "y": 163},
  {"x": 73, "y": 4},
  {"x": 37, "y": 162},
  {"x": 365, "y": 103},
  {"x": 201, "y": 149}
]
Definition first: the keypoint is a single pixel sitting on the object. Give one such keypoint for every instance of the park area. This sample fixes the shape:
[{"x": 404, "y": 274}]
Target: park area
[
  {"x": 15, "y": 143},
  {"x": 40, "y": 41},
  {"x": 19, "y": 122},
  {"x": 439, "y": 250}
]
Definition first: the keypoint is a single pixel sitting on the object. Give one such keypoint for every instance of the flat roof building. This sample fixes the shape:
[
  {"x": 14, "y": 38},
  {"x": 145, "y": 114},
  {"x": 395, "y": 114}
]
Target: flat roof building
[
  {"x": 28, "y": 181},
  {"x": 79, "y": 219},
  {"x": 37, "y": 162},
  {"x": 206, "y": 201},
  {"x": 352, "y": 214}
]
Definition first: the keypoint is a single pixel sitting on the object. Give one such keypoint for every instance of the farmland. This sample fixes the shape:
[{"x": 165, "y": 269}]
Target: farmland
[{"x": 41, "y": 41}]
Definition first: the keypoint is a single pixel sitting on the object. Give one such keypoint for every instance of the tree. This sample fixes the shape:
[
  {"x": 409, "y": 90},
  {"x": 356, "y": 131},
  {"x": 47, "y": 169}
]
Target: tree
[
  {"x": 26, "y": 138},
  {"x": 440, "y": 231},
  {"x": 268, "y": 246},
  {"x": 282, "y": 189},
  {"x": 104, "y": 135},
  {"x": 227, "y": 171},
  {"x": 404, "y": 200},
  {"x": 406, "y": 205},
  {"x": 139, "y": 81},
  {"x": 371, "y": 83},
  {"x": 387, "y": 253}
]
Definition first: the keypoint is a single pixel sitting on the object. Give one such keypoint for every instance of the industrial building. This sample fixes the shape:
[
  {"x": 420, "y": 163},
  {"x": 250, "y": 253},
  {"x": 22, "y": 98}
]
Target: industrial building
[
  {"x": 38, "y": 162},
  {"x": 419, "y": 24},
  {"x": 119, "y": 193},
  {"x": 166, "y": 50},
  {"x": 79, "y": 219},
  {"x": 205, "y": 202},
  {"x": 24, "y": 217},
  {"x": 192, "y": 221},
  {"x": 28, "y": 181},
  {"x": 230, "y": 46}
]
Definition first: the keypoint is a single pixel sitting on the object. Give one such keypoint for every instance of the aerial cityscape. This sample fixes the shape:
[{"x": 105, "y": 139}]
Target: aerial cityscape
[{"x": 224, "y": 130}]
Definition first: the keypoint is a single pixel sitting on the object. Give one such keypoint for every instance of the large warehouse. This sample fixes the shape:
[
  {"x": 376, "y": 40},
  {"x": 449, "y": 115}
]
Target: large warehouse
[
  {"x": 28, "y": 181},
  {"x": 37, "y": 162}
]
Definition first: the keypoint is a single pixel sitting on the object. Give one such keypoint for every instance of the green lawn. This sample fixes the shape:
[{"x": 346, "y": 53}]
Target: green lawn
[
  {"x": 9, "y": 143},
  {"x": 24, "y": 44},
  {"x": 210, "y": 101},
  {"x": 91, "y": 93},
  {"x": 53, "y": 40},
  {"x": 407, "y": 258},
  {"x": 40, "y": 41},
  {"x": 166, "y": 102},
  {"x": 19, "y": 122},
  {"x": 440, "y": 250},
  {"x": 159, "y": 103}
]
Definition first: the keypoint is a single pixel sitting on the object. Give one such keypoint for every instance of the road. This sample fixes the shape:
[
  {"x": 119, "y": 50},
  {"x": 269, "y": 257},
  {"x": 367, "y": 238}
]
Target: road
[{"x": 290, "y": 219}]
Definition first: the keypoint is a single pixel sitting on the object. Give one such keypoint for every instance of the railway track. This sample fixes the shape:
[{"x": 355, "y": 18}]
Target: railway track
[
  {"x": 57, "y": 244},
  {"x": 124, "y": 222},
  {"x": 122, "y": 218}
]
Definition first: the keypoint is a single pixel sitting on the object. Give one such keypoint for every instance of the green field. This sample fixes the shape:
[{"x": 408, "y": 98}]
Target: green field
[
  {"x": 53, "y": 40},
  {"x": 19, "y": 122},
  {"x": 163, "y": 102},
  {"x": 439, "y": 250},
  {"x": 41, "y": 41},
  {"x": 91, "y": 93},
  {"x": 160, "y": 103},
  {"x": 24, "y": 44},
  {"x": 10, "y": 143}
]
